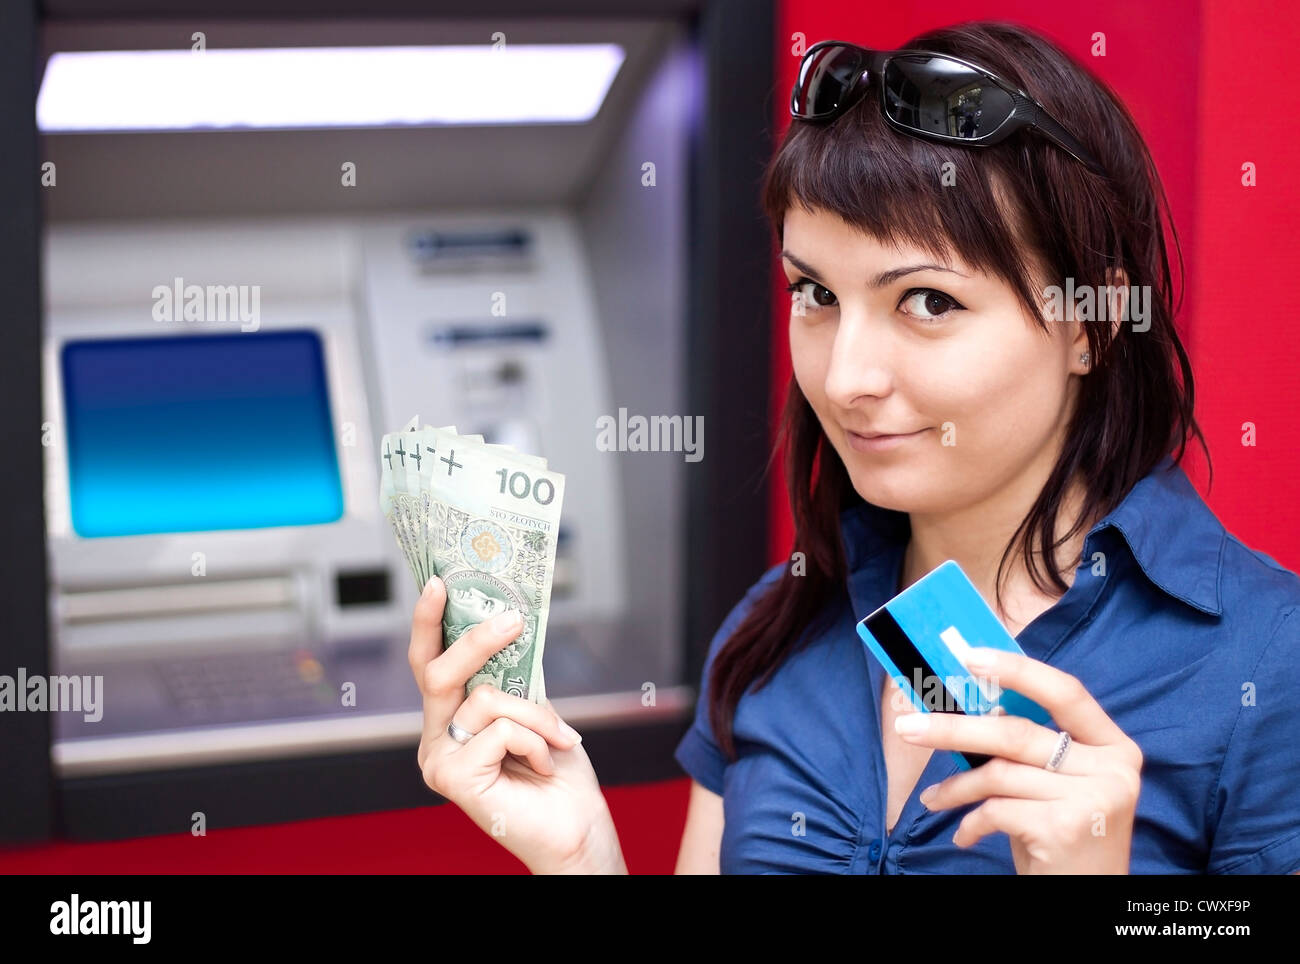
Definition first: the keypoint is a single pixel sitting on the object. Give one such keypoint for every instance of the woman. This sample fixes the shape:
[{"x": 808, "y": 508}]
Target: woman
[{"x": 949, "y": 403}]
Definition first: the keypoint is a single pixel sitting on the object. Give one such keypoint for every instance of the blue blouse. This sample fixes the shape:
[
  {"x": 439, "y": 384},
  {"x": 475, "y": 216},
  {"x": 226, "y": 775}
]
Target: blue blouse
[{"x": 1187, "y": 638}]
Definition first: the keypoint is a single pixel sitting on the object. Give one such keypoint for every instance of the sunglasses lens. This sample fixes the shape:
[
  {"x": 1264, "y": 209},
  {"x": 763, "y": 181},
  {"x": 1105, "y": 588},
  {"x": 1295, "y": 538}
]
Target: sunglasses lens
[
  {"x": 935, "y": 95},
  {"x": 825, "y": 77}
]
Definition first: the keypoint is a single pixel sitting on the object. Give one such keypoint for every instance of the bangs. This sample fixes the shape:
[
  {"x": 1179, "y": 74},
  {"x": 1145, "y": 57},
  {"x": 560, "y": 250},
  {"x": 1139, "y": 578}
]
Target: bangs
[{"x": 945, "y": 200}]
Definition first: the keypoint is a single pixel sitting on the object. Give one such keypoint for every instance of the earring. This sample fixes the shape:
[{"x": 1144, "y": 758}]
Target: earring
[{"x": 1085, "y": 356}]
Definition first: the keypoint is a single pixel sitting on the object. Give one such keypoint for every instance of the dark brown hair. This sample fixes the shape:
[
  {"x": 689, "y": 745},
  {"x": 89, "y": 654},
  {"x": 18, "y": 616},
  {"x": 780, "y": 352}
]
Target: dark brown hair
[{"x": 1020, "y": 204}]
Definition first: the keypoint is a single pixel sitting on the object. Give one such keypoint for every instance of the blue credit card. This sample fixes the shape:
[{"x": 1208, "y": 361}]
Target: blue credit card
[{"x": 921, "y": 637}]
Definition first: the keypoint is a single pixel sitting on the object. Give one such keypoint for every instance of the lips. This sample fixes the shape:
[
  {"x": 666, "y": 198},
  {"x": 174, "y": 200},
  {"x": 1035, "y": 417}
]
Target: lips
[
  {"x": 880, "y": 434},
  {"x": 881, "y": 442}
]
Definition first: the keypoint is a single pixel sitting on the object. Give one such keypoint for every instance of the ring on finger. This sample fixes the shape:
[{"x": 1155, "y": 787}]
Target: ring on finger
[
  {"x": 457, "y": 733},
  {"x": 1058, "y": 754}
]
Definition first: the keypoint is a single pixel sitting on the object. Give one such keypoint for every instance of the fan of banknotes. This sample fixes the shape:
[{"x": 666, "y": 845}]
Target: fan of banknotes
[{"x": 484, "y": 518}]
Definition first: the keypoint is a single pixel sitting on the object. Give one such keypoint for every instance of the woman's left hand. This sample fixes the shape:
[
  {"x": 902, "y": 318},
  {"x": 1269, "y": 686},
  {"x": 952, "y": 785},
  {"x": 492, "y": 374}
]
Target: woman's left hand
[{"x": 1075, "y": 820}]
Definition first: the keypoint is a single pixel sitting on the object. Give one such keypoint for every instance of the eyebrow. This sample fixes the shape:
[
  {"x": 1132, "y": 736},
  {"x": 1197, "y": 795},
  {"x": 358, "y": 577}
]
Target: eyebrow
[{"x": 880, "y": 280}]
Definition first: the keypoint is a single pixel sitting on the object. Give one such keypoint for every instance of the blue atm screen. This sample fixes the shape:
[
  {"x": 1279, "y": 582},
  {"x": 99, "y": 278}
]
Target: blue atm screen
[{"x": 199, "y": 432}]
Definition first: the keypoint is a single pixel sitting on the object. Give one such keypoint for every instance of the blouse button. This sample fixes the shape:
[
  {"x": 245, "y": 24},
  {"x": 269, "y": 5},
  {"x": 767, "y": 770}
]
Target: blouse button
[{"x": 874, "y": 850}]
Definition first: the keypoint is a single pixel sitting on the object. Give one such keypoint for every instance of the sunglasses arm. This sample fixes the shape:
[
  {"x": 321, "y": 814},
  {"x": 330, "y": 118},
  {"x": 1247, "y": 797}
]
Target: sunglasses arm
[{"x": 1063, "y": 139}]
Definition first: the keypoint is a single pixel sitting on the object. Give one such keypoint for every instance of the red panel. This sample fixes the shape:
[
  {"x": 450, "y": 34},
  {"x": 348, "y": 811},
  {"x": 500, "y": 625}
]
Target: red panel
[
  {"x": 1246, "y": 345},
  {"x": 427, "y": 840}
]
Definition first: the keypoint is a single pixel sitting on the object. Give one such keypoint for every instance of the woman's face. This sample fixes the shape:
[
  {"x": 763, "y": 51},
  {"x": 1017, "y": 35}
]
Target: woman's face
[{"x": 895, "y": 340}]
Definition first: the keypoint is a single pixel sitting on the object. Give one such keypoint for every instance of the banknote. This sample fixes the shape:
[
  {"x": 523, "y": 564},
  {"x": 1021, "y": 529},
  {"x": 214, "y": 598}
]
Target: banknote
[{"x": 485, "y": 519}]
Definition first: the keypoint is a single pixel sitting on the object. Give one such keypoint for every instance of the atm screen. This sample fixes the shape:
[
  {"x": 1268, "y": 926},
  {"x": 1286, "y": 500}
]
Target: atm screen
[{"x": 199, "y": 432}]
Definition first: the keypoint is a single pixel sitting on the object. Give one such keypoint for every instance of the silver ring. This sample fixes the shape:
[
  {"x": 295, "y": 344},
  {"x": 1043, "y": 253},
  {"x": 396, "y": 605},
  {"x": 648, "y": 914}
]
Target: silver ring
[
  {"x": 458, "y": 734},
  {"x": 1062, "y": 745}
]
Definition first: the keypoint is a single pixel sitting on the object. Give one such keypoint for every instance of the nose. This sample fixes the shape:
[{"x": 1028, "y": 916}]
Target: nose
[{"x": 860, "y": 362}]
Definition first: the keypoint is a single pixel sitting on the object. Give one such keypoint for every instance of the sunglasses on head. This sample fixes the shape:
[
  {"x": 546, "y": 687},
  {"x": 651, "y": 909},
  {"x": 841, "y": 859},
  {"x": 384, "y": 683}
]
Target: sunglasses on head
[{"x": 926, "y": 94}]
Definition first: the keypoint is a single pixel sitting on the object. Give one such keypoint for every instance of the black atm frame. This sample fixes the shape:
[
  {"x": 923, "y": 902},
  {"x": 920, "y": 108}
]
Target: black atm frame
[{"x": 729, "y": 326}]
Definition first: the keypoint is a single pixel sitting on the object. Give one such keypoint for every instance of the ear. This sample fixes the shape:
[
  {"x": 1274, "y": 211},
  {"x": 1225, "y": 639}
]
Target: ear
[
  {"x": 1078, "y": 346},
  {"x": 1117, "y": 295}
]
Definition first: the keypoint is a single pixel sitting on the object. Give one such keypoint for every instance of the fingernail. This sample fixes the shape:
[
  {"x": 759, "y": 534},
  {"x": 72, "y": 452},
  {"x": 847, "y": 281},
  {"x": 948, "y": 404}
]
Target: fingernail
[
  {"x": 570, "y": 732},
  {"x": 428, "y": 586},
  {"x": 928, "y": 793},
  {"x": 910, "y": 724},
  {"x": 506, "y": 621},
  {"x": 980, "y": 657}
]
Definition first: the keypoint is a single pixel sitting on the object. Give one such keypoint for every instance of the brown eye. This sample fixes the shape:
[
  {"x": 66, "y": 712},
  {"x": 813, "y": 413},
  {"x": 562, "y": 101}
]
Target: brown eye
[
  {"x": 812, "y": 294},
  {"x": 822, "y": 296},
  {"x": 927, "y": 304}
]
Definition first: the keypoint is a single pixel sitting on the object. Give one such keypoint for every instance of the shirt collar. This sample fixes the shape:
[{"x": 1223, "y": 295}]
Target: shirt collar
[{"x": 1172, "y": 534}]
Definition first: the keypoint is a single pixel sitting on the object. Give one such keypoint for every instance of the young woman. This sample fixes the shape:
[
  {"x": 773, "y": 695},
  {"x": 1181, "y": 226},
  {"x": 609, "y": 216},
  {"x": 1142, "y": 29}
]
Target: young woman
[{"x": 955, "y": 397}]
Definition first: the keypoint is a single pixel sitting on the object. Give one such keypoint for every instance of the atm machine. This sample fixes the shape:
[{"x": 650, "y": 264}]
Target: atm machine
[
  {"x": 217, "y": 550},
  {"x": 220, "y": 361}
]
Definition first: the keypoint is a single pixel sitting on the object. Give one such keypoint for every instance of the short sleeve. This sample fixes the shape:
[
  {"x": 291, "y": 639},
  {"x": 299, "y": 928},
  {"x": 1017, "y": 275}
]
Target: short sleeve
[
  {"x": 1257, "y": 799},
  {"x": 698, "y": 752}
]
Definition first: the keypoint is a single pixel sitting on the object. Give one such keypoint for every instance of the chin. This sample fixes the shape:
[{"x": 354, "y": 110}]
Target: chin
[{"x": 896, "y": 487}]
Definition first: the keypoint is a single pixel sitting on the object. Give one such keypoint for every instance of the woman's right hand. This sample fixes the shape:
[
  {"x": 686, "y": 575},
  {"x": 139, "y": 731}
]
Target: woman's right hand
[{"x": 522, "y": 778}]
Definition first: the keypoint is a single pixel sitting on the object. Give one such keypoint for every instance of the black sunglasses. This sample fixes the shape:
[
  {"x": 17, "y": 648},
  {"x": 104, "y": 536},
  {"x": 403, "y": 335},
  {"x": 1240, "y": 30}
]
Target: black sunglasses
[{"x": 924, "y": 93}]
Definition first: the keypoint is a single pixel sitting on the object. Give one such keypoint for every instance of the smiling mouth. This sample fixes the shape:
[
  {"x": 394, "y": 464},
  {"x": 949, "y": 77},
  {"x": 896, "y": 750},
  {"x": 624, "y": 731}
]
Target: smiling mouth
[
  {"x": 880, "y": 435},
  {"x": 876, "y": 443}
]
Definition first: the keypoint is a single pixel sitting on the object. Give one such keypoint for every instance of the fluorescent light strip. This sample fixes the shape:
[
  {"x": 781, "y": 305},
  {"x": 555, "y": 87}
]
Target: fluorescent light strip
[{"x": 320, "y": 87}]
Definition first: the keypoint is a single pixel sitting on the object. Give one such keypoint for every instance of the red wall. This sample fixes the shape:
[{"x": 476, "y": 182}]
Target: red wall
[
  {"x": 1207, "y": 83},
  {"x": 1245, "y": 344}
]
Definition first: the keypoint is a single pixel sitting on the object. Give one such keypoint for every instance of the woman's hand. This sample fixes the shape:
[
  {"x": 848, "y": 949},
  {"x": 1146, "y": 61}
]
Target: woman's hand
[
  {"x": 1075, "y": 820},
  {"x": 523, "y": 777}
]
